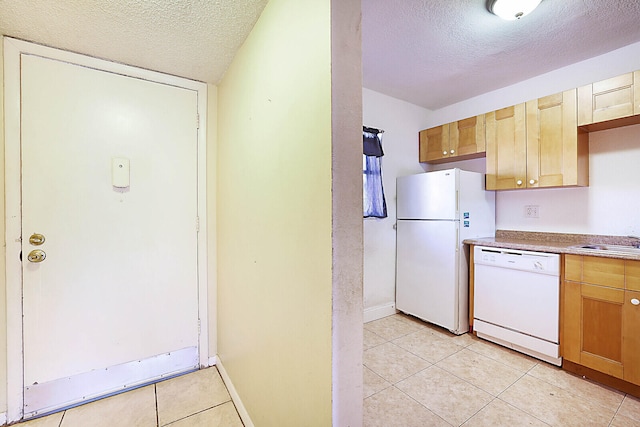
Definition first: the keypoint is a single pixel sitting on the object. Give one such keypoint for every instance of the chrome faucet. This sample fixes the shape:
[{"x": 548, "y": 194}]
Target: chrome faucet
[{"x": 637, "y": 243}]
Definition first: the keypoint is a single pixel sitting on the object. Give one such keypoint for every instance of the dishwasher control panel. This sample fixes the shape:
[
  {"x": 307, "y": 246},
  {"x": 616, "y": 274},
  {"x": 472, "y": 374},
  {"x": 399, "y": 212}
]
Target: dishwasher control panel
[{"x": 539, "y": 262}]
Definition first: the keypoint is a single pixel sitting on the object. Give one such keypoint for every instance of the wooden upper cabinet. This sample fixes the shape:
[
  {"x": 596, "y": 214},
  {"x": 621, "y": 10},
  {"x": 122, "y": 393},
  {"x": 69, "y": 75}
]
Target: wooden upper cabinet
[
  {"x": 616, "y": 98},
  {"x": 506, "y": 148},
  {"x": 461, "y": 140},
  {"x": 557, "y": 153},
  {"x": 434, "y": 143},
  {"x": 537, "y": 144},
  {"x": 467, "y": 137}
]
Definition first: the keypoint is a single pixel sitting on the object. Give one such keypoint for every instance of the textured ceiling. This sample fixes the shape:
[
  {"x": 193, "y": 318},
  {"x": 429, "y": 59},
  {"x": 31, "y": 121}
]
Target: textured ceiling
[
  {"x": 432, "y": 53},
  {"x": 435, "y": 53},
  {"x": 196, "y": 39}
]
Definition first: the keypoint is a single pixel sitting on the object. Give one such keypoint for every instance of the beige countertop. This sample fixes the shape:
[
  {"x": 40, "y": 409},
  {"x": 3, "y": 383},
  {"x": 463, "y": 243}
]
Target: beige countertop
[{"x": 556, "y": 243}]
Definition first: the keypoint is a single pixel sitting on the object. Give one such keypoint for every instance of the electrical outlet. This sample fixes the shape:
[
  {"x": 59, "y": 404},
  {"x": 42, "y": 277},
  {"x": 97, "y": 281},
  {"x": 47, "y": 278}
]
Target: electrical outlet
[{"x": 531, "y": 211}]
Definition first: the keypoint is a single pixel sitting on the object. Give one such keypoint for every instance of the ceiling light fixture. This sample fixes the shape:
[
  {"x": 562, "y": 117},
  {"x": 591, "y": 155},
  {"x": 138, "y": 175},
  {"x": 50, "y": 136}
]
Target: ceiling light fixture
[{"x": 512, "y": 9}]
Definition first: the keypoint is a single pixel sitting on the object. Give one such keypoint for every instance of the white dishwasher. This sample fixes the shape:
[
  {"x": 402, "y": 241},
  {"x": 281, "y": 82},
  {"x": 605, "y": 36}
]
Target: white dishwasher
[{"x": 516, "y": 300}]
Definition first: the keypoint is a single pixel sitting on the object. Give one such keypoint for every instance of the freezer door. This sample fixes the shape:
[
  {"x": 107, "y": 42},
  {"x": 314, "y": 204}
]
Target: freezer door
[
  {"x": 431, "y": 195},
  {"x": 427, "y": 272}
]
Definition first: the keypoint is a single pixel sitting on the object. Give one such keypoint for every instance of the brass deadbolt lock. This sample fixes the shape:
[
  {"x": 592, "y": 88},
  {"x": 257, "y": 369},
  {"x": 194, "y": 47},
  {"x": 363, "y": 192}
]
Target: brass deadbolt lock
[
  {"x": 36, "y": 239},
  {"x": 36, "y": 255}
]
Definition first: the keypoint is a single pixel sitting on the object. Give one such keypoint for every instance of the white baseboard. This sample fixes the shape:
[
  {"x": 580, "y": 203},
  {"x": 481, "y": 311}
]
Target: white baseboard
[
  {"x": 213, "y": 360},
  {"x": 3, "y": 418},
  {"x": 242, "y": 411},
  {"x": 380, "y": 311}
]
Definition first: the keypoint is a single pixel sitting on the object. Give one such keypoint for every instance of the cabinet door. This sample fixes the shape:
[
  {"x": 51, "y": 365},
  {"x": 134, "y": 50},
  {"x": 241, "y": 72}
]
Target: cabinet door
[
  {"x": 630, "y": 325},
  {"x": 506, "y": 148},
  {"x": 467, "y": 137},
  {"x": 609, "y": 99},
  {"x": 601, "y": 329},
  {"x": 434, "y": 143},
  {"x": 556, "y": 156}
]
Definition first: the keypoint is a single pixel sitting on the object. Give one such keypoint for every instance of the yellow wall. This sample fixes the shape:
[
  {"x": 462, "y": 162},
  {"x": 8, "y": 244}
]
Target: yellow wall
[
  {"x": 274, "y": 217},
  {"x": 3, "y": 304}
]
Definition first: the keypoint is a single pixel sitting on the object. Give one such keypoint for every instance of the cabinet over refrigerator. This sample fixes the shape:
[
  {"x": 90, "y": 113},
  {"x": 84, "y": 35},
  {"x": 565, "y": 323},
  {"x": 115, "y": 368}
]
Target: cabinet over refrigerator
[{"x": 436, "y": 211}]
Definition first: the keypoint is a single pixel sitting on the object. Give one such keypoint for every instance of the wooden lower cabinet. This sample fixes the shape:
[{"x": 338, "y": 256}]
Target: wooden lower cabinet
[
  {"x": 593, "y": 327},
  {"x": 600, "y": 319}
]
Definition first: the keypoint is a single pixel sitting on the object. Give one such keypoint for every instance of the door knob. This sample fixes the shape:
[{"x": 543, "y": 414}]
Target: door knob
[
  {"x": 36, "y": 239},
  {"x": 36, "y": 255},
  {"x": 635, "y": 301}
]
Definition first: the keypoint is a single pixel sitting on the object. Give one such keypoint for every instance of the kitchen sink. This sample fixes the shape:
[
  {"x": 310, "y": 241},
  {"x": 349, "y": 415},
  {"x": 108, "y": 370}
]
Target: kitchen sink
[{"x": 611, "y": 248}]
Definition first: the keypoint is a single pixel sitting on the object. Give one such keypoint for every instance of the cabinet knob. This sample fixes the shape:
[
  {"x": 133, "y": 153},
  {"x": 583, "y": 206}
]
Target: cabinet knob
[
  {"x": 444, "y": 153},
  {"x": 532, "y": 181},
  {"x": 635, "y": 301},
  {"x": 452, "y": 151},
  {"x": 519, "y": 182}
]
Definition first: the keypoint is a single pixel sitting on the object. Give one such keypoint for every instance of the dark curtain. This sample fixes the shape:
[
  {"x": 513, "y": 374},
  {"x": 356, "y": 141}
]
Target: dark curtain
[{"x": 374, "y": 204}]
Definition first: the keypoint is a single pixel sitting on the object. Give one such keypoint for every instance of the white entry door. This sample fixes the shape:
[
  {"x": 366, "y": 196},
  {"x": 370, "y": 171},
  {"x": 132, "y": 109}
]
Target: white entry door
[{"x": 109, "y": 198}]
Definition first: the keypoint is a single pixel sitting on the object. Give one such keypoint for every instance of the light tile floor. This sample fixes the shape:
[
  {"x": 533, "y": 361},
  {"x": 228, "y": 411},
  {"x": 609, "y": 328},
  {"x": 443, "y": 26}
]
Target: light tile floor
[
  {"x": 416, "y": 374},
  {"x": 196, "y": 399}
]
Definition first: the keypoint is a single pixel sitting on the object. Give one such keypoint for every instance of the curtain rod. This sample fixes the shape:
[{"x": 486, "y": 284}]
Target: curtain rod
[{"x": 372, "y": 130}]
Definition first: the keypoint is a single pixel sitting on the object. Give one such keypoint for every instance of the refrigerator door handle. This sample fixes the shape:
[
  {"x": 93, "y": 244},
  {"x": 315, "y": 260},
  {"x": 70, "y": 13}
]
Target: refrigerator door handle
[
  {"x": 457, "y": 202},
  {"x": 457, "y": 238}
]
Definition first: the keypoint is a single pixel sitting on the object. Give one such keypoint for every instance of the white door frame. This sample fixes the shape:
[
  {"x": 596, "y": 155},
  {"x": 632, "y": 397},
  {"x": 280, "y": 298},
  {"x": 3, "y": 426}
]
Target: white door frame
[{"x": 13, "y": 48}]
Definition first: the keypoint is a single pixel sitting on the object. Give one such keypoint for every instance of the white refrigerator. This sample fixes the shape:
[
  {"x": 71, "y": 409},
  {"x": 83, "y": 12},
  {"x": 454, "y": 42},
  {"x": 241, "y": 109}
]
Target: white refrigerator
[{"x": 435, "y": 212}]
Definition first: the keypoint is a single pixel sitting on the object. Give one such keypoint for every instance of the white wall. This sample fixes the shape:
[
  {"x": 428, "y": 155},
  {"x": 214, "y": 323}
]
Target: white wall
[
  {"x": 401, "y": 122},
  {"x": 610, "y": 204}
]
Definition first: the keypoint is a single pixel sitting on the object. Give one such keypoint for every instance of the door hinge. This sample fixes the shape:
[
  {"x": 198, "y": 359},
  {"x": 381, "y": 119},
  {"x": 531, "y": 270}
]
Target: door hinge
[
  {"x": 198, "y": 224},
  {"x": 197, "y": 120},
  {"x": 198, "y": 326}
]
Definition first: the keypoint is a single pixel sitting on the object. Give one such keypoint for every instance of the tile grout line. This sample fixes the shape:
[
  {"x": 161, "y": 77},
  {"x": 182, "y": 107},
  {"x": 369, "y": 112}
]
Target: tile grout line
[
  {"x": 618, "y": 409},
  {"x": 507, "y": 351},
  {"x": 520, "y": 409},
  {"x": 514, "y": 406},
  {"x": 420, "y": 403},
  {"x": 570, "y": 391},
  {"x": 201, "y": 411},
  {"x": 564, "y": 390},
  {"x": 478, "y": 411}
]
